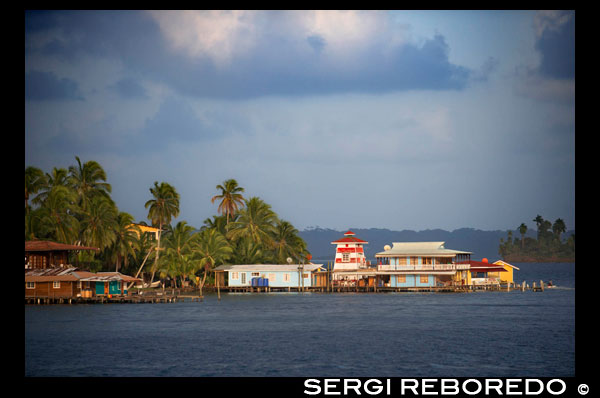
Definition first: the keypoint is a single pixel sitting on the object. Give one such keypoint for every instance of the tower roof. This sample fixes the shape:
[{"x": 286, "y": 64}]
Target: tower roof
[{"x": 349, "y": 238}]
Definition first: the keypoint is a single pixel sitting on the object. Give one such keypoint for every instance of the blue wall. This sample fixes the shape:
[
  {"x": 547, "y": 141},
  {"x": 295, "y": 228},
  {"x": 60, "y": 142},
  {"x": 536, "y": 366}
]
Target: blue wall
[
  {"x": 277, "y": 282},
  {"x": 412, "y": 281}
]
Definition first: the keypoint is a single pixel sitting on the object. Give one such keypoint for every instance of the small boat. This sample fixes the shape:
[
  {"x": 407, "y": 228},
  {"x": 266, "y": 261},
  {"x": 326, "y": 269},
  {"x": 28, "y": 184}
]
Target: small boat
[{"x": 145, "y": 285}]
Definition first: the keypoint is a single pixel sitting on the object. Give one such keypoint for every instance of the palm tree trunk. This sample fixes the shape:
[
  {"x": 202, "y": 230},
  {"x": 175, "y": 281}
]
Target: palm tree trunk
[
  {"x": 141, "y": 266},
  {"x": 157, "y": 254},
  {"x": 203, "y": 280}
]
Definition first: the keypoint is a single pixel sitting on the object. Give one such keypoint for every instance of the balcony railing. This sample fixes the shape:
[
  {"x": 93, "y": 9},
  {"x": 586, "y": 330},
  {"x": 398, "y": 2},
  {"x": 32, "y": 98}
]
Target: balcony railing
[{"x": 424, "y": 267}]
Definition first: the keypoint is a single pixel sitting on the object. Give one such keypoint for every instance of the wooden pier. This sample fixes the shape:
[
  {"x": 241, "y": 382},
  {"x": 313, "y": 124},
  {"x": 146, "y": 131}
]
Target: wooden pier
[
  {"x": 131, "y": 299},
  {"x": 174, "y": 297}
]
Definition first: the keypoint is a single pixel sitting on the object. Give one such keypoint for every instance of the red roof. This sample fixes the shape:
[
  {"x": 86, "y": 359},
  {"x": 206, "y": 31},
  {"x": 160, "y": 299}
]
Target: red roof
[
  {"x": 349, "y": 238},
  {"x": 482, "y": 266},
  {"x": 46, "y": 246}
]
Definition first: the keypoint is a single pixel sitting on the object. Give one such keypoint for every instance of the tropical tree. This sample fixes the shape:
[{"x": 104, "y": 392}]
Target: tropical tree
[
  {"x": 210, "y": 249},
  {"x": 126, "y": 234},
  {"x": 177, "y": 249},
  {"x": 217, "y": 222},
  {"x": 161, "y": 209},
  {"x": 56, "y": 219},
  {"x": 287, "y": 243},
  {"x": 255, "y": 221},
  {"x": 558, "y": 227},
  {"x": 34, "y": 181},
  {"x": 58, "y": 177},
  {"x": 230, "y": 197},
  {"x": 99, "y": 223},
  {"x": 87, "y": 181},
  {"x": 245, "y": 251},
  {"x": 522, "y": 231}
]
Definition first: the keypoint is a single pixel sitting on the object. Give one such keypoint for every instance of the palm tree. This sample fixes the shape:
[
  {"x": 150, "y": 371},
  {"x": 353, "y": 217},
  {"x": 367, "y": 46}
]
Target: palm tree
[
  {"x": 247, "y": 252},
  {"x": 126, "y": 236},
  {"x": 86, "y": 180},
  {"x": 178, "y": 249},
  {"x": 230, "y": 197},
  {"x": 522, "y": 231},
  {"x": 99, "y": 223},
  {"x": 217, "y": 222},
  {"x": 161, "y": 209},
  {"x": 287, "y": 243},
  {"x": 34, "y": 181},
  {"x": 56, "y": 218},
  {"x": 255, "y": 221},
  {"x": 558, "y": 228},
  {"x": 210, "y": 249},
  {"x": 58, "y": 177}
]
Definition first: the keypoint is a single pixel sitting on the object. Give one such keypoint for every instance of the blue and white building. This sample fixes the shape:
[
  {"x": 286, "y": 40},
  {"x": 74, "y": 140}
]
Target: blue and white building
[{"x": 278, "y": 275}]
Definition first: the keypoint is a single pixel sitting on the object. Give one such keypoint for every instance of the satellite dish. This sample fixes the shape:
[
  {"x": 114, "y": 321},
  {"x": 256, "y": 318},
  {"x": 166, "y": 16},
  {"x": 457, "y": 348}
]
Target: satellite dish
[
  {"x": 289, "y": 260},
  {"x": 387, "y": 247}
]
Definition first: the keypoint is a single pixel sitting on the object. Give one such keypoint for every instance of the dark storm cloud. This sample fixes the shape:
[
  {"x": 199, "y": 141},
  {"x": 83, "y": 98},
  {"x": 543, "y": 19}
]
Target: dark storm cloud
[
  {"x": 129, "y": 88},
  {"x": 41, "y": 85},
  {"x": 273, "y": 67},
  {"x": 557, "y": 48}
]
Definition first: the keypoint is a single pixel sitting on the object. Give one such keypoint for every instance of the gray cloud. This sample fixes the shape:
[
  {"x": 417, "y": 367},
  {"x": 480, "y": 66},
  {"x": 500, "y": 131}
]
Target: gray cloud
[
  {"x": 129, "y": 88},
  {"x": 42, "y": 85},
  {"x": 275, "y": 66},
  {"x": 557, "y": 48}
]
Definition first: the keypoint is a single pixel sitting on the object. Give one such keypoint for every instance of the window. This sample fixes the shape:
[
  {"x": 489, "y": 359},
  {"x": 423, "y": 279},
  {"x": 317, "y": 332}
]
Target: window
[
  {"x": 345, "y": 257},
  {"x": 400, "y": 278},
  {"x": 235, "y": 275},
  {"x": 30, "y": 285},
  {"x": 256, "y": 274},
  {"x": 402, "y": 261},
  {"x": 243, "y": 275},
  {"x": 427, "y": 260},
  {"x": 56, "y": 284},
  {"x": 271, "y": 278},
  {"x": 286, "y": 277},
  {"x": 424, "y": 278},
  {"x": 414, "y": 260}
]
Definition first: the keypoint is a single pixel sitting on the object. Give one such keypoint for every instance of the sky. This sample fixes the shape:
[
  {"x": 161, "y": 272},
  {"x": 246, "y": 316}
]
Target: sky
[{"x": 337, "y": 119}]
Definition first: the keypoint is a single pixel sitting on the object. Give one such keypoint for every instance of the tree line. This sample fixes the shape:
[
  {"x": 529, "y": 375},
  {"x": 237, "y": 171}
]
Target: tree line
[
  {"x": 549, "y": 244},
  {"x": 74, "y": 206}
]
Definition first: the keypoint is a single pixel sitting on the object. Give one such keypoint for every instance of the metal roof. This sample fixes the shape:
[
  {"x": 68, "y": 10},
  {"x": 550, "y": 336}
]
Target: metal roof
[
  {"x": 267, "y": 267},
  {"x": 46, "y": 245},
  {"x": 419, "y": 248}
]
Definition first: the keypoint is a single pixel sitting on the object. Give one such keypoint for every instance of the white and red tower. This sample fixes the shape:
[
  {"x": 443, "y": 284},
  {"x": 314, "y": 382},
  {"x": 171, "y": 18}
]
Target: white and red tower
[{"x": 349, "y": 253}]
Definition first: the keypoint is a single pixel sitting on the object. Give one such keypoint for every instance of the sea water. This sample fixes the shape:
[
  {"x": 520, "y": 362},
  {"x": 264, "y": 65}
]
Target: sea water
[{"x": 484, "y": 333}]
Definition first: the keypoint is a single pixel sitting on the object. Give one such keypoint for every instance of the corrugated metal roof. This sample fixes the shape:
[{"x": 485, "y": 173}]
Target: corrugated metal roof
[
  {"x": 267, "y": 267},
  {"x": 46, "y": 245},
  {"x": 419, "y": 248},
  {"x": 72, "y": 274}
]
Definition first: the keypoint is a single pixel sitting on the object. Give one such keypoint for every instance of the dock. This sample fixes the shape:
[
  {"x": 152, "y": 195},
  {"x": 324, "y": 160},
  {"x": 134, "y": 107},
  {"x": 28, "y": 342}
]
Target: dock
[
  {"x": 151, "y": 298},
  {"x": 156, "y": 297}
]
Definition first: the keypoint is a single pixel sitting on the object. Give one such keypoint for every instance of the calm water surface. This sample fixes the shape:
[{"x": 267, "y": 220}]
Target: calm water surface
[{"x": 316, "y": 334}]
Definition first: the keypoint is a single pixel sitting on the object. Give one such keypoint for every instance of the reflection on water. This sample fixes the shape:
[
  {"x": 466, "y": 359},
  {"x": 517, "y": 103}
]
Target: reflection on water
[{"x": 294, "y": 334}]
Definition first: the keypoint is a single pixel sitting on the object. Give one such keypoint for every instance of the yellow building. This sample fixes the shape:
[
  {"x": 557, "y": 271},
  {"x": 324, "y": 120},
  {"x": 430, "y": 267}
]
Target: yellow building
[
  {"x": 152, "y": 231},
  {"x": 504, "y": 276}
]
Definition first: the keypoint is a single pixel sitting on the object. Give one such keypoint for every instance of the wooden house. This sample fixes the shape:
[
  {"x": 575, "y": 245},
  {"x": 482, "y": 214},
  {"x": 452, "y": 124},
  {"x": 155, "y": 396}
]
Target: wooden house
[
  {"x": 277, "y": 275},
  {"x": 484, "y": 273},
  {"x": 48, "y": 274},
  {"x": 507, "y": 275},
  {"x": 422, "y": 264},
  {"x": 47, "y": 254},
  {"x": 69, "y": 282}
]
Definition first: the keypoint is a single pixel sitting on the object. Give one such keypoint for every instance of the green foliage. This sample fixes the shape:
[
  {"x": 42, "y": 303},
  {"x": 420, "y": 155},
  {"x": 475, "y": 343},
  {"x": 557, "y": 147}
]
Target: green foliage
[
  {"x": 547, "y": 247},
  {"x": 74, "y": 206}
]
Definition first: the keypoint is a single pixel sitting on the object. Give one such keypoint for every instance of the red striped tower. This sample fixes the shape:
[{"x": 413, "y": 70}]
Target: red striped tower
[{"x": 349, "y": 253}]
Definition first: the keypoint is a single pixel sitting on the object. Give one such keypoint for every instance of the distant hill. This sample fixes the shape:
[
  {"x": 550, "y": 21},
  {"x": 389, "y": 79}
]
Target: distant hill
[{"x": 480, "y": 243}]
